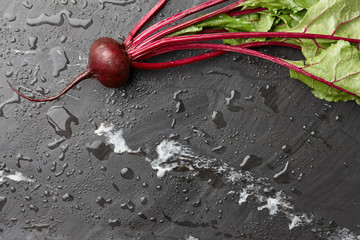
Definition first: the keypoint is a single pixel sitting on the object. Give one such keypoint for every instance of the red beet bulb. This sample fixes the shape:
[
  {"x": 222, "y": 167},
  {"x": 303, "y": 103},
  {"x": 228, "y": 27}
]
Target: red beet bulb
[{"x": 108, "y": 63}]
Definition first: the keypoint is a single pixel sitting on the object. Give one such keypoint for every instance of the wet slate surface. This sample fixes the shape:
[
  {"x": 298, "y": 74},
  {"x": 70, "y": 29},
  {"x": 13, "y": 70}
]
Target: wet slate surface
[{"x": 231, "y": 108}]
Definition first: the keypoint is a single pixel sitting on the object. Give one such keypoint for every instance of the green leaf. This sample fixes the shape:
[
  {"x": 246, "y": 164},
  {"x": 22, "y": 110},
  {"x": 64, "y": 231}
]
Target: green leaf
[
  {"x": 306, "y": 4},
  {"x": 330, "y": 17},
  {"x": 339, "y": 64},
  {"x": 256, "y": 22},
  {"x": 279, "y": 7},
  {"x": 189, "y": 30},
  {"x": 261, "y": 22},
  {"x": 222, "y": 21},
  {"x": 293, "y": 19}
]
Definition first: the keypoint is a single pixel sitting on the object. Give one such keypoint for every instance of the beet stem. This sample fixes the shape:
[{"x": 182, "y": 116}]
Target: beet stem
[
  {"x": 84, "y": 75},
  {"x": 163, "y": 65},
  {"x": 143, "y": 21},
  {"x": 194, "y": 45},
  {"x": 277, "y": 60},
  {"x": 219, "y": 36},
  {"x": 178, "y": 27},
  {"x": 149, "y": 31}
]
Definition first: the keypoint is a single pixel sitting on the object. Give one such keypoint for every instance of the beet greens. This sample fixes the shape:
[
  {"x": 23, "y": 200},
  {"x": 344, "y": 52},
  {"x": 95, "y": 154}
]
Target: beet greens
[{"x": 326, "y": 31}]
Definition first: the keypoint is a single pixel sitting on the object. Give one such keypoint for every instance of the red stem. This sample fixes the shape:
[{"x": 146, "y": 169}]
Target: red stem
[
  {"x": 219, "y": 36},
  {"x": 163, "y": 65},
  {"x": 277, "y": 60},
  {"x": 174, "y": 18},
  {"x": 84, "y": 75},
  {"x": 193, "y": 46},
  {"x": 148, "y": 32},
  {"x": 204, "y": 56},
  {"x": 188, "y": 23},
  {"x": 143, "y": 21}
]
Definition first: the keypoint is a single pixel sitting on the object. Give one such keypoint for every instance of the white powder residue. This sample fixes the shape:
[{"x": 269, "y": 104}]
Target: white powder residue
[
  {"x": 168, "y": 149},
  {"x": 114, "y": 138},
  {"x": 191, "y": 238},
  {"x": 245, "y": 193},
  {"x": 277, "y": 204},
  {"x": 344, "y": 234},
  {"x": 16, "y": 176},
  {"x": 298, "y": 220},
  {"x": 171, "y": 155}
]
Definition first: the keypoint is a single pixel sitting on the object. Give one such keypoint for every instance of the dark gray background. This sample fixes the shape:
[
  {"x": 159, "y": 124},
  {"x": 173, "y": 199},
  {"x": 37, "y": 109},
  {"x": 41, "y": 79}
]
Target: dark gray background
[{"x": 273, "y": 111}]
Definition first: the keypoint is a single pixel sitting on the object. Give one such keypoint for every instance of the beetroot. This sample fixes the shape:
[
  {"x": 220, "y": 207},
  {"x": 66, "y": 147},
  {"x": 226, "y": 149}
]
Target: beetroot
[{"x": 108, "y": 63}]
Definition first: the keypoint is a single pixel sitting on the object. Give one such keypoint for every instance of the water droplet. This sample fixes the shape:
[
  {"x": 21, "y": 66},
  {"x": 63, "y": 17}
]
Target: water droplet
[
  {"x": 9, "y": 73},
  {"x": 339, "y": 118},
  {"x": 56, "y": 143},
  {"x": 180, "y": 107},
  {"x": 286, "y": 148},
  {"x": 250, "y": 161},
  {"x": 60, "y": 119},
  {"x": 320, "y": 116},
  {"x": 142, "y": 215},
  {"x": 33, "y": 207},
  {"x": 230, "y": 101},
  {"x": 62, "y": 170},
  {"x": 20, "y": 157},
  {"x": 270, "y": 97},
  {"x": 58, "y": 19},
  {"x": 63, "y": 39},
  {"x": 127, "y": 173},
  {"x": 39, "y": 226},
  {"x": 53, "y": 166},
  {"x": 173, "y": 122},
  {"x": 2, "y": 166},
  {"x": 250, "y": 98},
  {"x": 296, "y": 191},
  {"x": 176, "y": 96},
  {"x": 27, "y": 4},
  {"x": 32, "y": 42},
  {"x": 60, "y": 60},
  {"x": 284, "y": 175},
  {"x": 117, "y": 2},
  {"x": 10, "y": 13},
  {"x": 143, "y": 200},
  {"x": 219, "y": 149},
  {"x": 114, "y": 223},
  {"x": 99, "y": 149},
  {"x": 101, "y": 201},
  {"x": 67, "y": 197},
  {"x": 218, "y": 119},
  {"x": 115, "y": 186},
  {"x": 3, "y": 201},
  {"x": 14, "y": 99}
]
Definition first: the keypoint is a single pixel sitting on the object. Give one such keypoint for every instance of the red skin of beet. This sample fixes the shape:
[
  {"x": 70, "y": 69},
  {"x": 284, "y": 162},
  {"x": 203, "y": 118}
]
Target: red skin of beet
[{"x": 109, "y": 63}]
